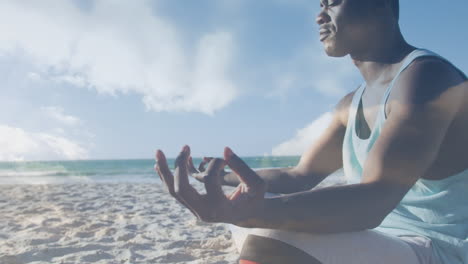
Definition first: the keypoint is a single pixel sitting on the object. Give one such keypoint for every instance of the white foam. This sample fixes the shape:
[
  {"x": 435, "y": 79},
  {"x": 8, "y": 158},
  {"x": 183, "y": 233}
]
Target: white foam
[{"x": 19, "y": 173}]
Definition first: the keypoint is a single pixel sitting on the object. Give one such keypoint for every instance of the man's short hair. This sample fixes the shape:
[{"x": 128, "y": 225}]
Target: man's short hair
[{"x": 396, "y": 8}]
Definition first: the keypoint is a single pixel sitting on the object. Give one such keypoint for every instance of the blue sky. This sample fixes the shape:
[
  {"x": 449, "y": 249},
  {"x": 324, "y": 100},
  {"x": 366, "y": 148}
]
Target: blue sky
[{"x": 118, "y": 79}]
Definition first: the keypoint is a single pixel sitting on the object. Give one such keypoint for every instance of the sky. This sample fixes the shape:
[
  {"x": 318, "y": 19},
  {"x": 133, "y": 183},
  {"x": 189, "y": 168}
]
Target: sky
[{"x": 116, "y": 79}]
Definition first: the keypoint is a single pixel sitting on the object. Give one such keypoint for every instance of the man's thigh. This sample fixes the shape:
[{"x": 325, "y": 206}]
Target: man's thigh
[
  {"x": 264, "y": 250},
  {"x": 364, "y": 247}
]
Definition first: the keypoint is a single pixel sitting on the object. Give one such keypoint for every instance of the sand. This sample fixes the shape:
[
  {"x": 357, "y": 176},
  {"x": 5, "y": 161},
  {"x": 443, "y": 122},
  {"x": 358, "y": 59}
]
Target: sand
[{"x": 105, "y": 223}]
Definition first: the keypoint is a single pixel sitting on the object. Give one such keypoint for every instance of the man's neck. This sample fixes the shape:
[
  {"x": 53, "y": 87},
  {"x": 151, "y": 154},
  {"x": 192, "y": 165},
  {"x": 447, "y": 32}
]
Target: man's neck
[{"x": 378, "y": 60}]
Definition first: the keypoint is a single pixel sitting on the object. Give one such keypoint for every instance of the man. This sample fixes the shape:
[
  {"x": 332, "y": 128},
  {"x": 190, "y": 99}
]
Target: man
[{"x": 401, "y": 139}]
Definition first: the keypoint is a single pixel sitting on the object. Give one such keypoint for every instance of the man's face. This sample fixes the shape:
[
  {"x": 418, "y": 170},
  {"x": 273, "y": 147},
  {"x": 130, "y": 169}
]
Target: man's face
[{"x": 345, "y": 26}]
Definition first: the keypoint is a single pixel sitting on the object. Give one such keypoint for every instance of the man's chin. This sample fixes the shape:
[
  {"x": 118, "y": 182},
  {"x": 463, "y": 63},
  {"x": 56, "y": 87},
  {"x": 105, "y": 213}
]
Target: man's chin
[{"x": 333, "y": 51}]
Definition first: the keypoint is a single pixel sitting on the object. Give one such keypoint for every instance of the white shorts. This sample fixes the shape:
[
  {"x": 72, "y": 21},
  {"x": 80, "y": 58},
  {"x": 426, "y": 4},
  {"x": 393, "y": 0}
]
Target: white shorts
[{"x": 364, "y": 247}]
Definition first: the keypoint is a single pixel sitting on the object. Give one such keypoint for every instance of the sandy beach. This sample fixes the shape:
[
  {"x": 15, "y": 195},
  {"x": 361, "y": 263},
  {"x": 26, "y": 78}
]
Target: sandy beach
[{"x": 105, "y": 223}]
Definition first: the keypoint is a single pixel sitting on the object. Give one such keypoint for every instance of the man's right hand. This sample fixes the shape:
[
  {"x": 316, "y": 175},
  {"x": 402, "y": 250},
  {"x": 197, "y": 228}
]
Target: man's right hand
[{"x": 239, "y": 208}]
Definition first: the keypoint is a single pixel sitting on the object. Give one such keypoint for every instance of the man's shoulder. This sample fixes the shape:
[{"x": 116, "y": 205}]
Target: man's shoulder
[
  {"x": 343, "y": 106},
  {"x": 426, "y": 79},
  {"x": 434, "y": 67},
  {"x": 429, "y": 87}
]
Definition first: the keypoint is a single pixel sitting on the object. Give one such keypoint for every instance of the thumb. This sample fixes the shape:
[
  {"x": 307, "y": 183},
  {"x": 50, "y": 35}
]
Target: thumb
[{"x": 245, "y": 173}]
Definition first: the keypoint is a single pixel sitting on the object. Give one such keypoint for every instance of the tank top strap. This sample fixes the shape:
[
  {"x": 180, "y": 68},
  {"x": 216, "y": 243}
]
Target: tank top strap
[{"x": 355, "y": 104}]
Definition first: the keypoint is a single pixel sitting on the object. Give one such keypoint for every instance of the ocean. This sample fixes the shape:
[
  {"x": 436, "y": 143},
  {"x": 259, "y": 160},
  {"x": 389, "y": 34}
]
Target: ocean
[{"x": 105, "y": 171}]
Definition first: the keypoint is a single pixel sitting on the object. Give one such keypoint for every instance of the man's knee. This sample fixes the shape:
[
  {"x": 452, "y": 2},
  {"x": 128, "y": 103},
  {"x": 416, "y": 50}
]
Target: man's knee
[{"x": 263, "y": 250}]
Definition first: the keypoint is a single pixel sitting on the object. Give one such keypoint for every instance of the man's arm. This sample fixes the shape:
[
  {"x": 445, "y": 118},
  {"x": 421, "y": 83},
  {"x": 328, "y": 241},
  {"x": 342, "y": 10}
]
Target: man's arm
[
  {"x": 322, "y": 159},
  {"x": 424, "y": 109},
  {"x": 426, "y": 104}
]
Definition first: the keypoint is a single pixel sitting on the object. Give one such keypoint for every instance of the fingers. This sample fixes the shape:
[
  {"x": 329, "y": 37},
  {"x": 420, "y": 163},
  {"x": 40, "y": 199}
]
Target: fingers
[
  {"x": 191, "y": 167},
  {"x": 236, "y": 193},
  {"x": 240, "y": 193},
  {"x": 213, "y": 179},
  {"x": 245, "y": 173},
  {"x": 205, "y": 160},
  {"x": 199, "y": 176},
  {"x": 181, "y": 172},
  {"x": 164, "y": 171},
  {"x": 166, "y": 176},
  {"x": 182, "y": 187}
]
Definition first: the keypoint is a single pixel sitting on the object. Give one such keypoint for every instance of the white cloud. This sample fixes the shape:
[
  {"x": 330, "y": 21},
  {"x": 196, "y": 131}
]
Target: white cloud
[
  {"x": 312, "y": 68},
  {"x": 284, "y": 83},
  {"x": 58, "y": 114},
  {"x": 331, "y": 76},
  {"x": 70, "y": 79},
  {"x": 119, "y": 47},
  {"x": 34, "y": 76},
  {"x": 62, "y": 147},
  {"x": 18, "y": 144},
  {"x": 207, "y": 89},
  {"x": 304, "y": 137}
]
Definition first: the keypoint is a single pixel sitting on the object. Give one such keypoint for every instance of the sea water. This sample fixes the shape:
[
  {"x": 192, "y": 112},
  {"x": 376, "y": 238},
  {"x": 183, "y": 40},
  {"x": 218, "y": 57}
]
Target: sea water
[{"x": 50, "y": 172}]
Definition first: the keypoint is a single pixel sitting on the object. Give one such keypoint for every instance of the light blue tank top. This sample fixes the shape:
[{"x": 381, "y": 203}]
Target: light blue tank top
[{"x": 437, "y": 209}]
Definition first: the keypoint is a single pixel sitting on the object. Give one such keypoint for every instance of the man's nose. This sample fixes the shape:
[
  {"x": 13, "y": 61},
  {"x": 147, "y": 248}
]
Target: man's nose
[{"x": 322, "y": 18}]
